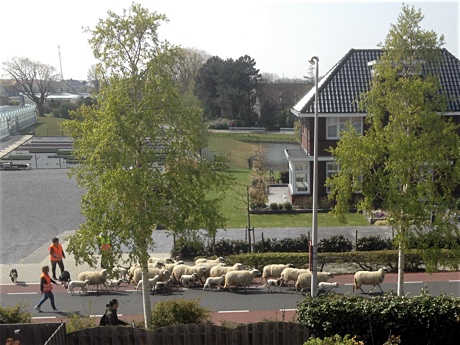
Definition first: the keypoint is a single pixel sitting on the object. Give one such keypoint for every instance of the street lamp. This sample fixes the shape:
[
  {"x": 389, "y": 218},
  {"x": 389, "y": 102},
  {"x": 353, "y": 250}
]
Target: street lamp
[{"x": 314, "y": 227}]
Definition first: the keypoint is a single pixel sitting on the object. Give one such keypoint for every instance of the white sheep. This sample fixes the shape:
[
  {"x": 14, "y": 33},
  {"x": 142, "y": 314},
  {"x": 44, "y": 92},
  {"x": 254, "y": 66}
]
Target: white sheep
[
  {"x": 188, "y": 280},
  {"x": 244, "y": 278},
  {"x": 274, "y": 270},
  {"x": 369, "y": 278},
  {"x": 203, "y": 261},
  {"x": 180, "y": 270},
  {"x": 220, "y": 270},
  {"x": 214, "y": 280},
  {"x": 272, "y": 284},
  {"x": 304, "y": 280},
  {"x": 83, "y": 285},
  {"x": 170, "y": 266},
  {"x": 152, "y": 283},
  {"x": 119, "y": 272},
  {"x": 327, "y": 287},
  {"x": 114, "y": 284},
  {"x": 152, "y": 272},
  {"x": 95, "y": 278},
  {"x": 291, "y": 273}
]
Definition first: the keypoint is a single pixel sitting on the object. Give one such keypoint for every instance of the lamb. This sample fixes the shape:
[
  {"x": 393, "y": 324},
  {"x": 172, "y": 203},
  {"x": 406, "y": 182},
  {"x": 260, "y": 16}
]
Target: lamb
[
  {"x": 114, "y": 284},
  {"x": 188, "y": 280},
  {"x": 220, "y": 270},
  {"x": 274, "y": 270},
  {"x": 204, "y": 261},
  {"x": 83, "y": 285},
  {"x": 290, "y": 273},
  {"x": 95, "y": 278},
  {"x": 327, "y": 287},
  {"x": 214, "y": 280},
  {"x": 369, "y": 278},
  {"x": 119, "y": 272},
  {"x": 304, "y": 280},
  {"x": 272, "y": 284},
  {"x": 152, "y": 282},
  {"x": 244, "y": 278}
]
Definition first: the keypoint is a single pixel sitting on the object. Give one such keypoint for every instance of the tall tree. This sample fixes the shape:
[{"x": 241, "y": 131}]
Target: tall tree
[
  {"x": 33, "y": 78},
  {"x": 188, "y": 65},
  {"x": 228, "y": 88},
  {"x": 138, "y": 147},
  {"x": 409, "y": 157}
]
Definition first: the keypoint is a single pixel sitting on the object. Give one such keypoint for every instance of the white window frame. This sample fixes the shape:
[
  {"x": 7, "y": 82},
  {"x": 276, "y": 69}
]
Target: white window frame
[
  {"x": 300, "y": 170},
  {"x": 332, "y": 167},
  {"x": 339, "y": 124}
]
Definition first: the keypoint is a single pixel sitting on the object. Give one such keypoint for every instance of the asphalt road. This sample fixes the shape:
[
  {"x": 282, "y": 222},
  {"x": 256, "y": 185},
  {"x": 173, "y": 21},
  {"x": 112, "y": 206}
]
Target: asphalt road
[{"x": 256, "y": 300}]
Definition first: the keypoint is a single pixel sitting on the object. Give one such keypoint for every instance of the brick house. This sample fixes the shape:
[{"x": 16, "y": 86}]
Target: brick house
[{"x": 338, "y": 92}]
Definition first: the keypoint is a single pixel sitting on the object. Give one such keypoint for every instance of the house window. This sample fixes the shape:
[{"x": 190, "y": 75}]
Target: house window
[
  {"x": 299, "y": 177},
  {"x": 335, "y": 125},
  {"x": 331, "y": 169}
]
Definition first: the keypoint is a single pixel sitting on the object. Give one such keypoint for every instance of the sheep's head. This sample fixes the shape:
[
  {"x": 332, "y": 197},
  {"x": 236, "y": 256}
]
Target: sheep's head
[
  {"x": 290, "y": 265},
  {"x": 202, "y": 269},
  {"x": 330, "y": 275},
  {"x": 335, "y": 284},
  {"x": 86, "y": 282}
]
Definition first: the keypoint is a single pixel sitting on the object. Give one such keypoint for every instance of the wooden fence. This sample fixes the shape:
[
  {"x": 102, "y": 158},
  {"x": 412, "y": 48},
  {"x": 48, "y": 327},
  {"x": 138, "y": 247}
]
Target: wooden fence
[
  {"x": 262, "y": 333},
  {"x": 33, "y": 333}
]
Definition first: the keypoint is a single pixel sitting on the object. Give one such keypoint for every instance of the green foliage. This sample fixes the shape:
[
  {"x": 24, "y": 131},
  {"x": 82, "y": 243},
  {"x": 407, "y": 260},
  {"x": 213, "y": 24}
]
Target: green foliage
[
  {"x": 65, "y": 108},
  {"x": 284, "y": 176},
  {"x": 274, "y": 206},
  {"x": 287, "y": 205},
  {"x": 373, "y": 242},
  {"x": 78, "y": 322},
  {"x": 179, "y": 312},
  {"x": 337, "y": 243},
  {"x": 280, "y": 206},
  {"x": 16, "y": 314},
  {"x": 422, "y": 319},
  {"x": 334, "y": 340}
]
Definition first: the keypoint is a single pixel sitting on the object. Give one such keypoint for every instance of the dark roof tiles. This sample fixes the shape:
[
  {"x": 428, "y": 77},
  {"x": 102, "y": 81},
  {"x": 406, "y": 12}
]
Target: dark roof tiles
[{"x": 351, "y": 76}]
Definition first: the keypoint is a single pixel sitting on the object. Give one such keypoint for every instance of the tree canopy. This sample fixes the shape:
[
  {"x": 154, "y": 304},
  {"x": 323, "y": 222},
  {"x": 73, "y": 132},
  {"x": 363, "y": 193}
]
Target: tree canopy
[
  {"x": 138, "y": 147},
  {"x": 33, "y": 78},
  {"x": 227, "y": 88},
  {"x": 408, "y": 157}
]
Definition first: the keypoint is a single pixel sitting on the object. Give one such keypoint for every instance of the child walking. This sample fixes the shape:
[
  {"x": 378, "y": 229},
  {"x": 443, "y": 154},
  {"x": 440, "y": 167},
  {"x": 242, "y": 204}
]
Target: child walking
[{"x": 46, "y": 289}]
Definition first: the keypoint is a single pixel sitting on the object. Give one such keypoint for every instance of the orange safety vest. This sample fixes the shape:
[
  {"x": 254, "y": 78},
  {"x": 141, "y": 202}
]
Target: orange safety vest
[
  {"x": 57, "y": 251},
  {"x": 47, "y": 287},
  {"x": 105, "y": 243}
]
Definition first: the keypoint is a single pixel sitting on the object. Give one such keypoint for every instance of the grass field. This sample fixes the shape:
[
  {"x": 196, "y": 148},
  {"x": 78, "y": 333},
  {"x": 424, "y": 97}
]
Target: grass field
[{"x": 237, "y": 148}]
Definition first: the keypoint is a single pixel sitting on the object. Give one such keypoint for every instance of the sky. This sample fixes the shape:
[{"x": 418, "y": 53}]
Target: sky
[{"x": 281, "y": 36}]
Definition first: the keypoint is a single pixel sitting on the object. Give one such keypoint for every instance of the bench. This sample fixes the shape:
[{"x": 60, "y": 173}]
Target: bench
[{"x": 247, "y": 129}]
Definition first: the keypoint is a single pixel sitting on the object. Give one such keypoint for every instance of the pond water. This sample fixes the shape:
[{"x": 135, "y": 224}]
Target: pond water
[{"x": 275, "y": 158}]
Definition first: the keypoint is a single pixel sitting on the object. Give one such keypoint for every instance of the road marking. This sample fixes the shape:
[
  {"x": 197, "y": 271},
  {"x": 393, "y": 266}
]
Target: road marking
[
  {"x": 414, "y": 282},
  {"x": 349, "y": 284},
  {"x": 97, "y": 315},
  {"x": 21, "y": 293},
  {"x": 288, "y": 309},
  {"x": 233, "y": 311},
  {"x": 454, "y": 281},
  {"x": 43, "y": 317}
]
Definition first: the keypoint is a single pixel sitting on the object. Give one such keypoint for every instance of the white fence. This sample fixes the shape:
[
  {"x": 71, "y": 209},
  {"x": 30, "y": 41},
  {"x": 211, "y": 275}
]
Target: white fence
[{"x": 15, "y": 119}]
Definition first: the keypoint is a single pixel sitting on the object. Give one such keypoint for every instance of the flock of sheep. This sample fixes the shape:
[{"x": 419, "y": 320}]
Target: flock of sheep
[{"x": 215, "y": 273}]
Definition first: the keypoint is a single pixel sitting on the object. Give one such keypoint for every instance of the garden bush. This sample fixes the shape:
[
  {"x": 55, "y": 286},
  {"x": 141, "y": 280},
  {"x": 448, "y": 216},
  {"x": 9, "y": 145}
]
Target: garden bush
[
  {"x": 273, "y": 206},
  {"x": 15, "y": 314},
  {"x": 179, "y": 312},
  {"x": 337, "y": 243},
  {"x": 373, "y": 242},
  {"x": 421, "y": 319},
  {"x": 287, "y": 206}
]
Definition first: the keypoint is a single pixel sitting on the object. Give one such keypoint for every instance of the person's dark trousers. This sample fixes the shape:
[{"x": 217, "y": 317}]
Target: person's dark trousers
[
  {"x": 47, "y": 295},
  {"x": 53, "y": 267}
]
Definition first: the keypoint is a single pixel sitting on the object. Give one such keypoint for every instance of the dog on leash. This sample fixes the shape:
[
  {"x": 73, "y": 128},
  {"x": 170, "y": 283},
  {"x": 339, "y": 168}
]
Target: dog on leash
[
  {"x": 14, "y": 275},
  {"x": 64, "y": 279}
]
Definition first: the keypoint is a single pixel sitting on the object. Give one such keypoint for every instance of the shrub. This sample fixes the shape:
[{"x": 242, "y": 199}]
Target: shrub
[
  {"x": 280, "y": 206},
  {"x": 373, "y": 242},
  {"x": 78, "y": 322},
  {"x": 287, "y": 206},
  {"x": 304, "y": 202},
  {"x": 334, "y": 340},
  {"x": 422, "y": 319},
  {"x": 325, "y": 203},
  {"x": 335, "y": 244},
  {"x": 179, "y": 312},
  {"x": 274, "y": 206},
  {"x": 284, "y": 176},
  {"x": 15, "y": 314}
]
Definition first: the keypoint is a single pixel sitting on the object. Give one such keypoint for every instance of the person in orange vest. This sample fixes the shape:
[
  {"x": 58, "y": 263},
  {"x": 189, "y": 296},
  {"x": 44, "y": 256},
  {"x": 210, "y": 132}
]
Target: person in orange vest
[
  {"x": 56, "y": 256},
  {"x": 106, "y": 246},
  {"x": 46, "y": 289}
]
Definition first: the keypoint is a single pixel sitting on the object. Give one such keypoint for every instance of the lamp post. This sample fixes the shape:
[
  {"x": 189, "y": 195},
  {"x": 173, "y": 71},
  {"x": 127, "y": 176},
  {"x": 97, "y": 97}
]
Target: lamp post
[{"x": 314, "y": 227}]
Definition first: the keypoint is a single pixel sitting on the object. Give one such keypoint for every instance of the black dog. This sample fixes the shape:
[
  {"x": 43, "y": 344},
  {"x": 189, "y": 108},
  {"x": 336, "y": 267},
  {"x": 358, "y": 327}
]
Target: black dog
[
  {"x": 64, "y": 278},
  {"x": 14, "y": 275}
]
